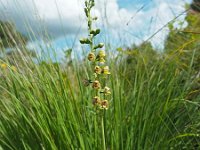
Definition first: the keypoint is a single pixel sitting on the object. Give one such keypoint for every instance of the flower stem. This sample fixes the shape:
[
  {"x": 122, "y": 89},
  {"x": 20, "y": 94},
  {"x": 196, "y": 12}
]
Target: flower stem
[{"x": 103, "y": 132}]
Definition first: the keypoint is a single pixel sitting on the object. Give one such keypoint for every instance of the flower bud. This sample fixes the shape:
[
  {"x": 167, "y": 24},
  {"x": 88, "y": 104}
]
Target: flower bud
[
  {"x": 106, "y": 70},
  {"x": 85, "y": 41},
  {"x": 95, "y": 75},
  {"x": 86, "y": 3},
  {"x": 102, "y": 60},
  {"x": 92, "y": 3},
  {"x": 92, "y": 32},
  {"x": 86, "y": 12},
  {"x": 95, "y": 18},
  {"x": 89, "y": 24},
  {"x": 106, "y": 91},
  {"x": 100, "y": 45},
  {"x": 95, "y": 32},
  {"x": 102, "y": 54}
]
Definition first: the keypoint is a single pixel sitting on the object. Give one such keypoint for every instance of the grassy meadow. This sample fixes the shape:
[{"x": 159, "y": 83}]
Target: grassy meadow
[{"x": 154, "y": 101}]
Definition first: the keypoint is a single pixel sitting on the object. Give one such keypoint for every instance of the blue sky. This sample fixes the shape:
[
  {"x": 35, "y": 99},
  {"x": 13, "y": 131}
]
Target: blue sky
[
  {"x": 129, "y": 4},
  {"x": 64, "y": 20}
]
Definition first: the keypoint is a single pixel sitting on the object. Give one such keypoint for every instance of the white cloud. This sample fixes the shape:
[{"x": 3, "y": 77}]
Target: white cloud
[
  {"x": 144, "y": 23},
  {"x": 61, "y": 17},
  {"x": 57, "y": 16}
]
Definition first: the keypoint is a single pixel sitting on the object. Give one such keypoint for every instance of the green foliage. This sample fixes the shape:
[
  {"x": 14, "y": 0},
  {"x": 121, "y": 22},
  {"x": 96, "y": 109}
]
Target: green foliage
[
  {"x": 196, "y": 5},
  {"x": 47, "y": 107},
  {"x": 184, "y": 43},
  {"x": 144, "y": 52}
]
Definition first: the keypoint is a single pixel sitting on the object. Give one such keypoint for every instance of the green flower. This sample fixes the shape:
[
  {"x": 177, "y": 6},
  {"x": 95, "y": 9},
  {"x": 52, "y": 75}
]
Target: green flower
[
  {"x": 102, "y": 54},
  {"x": 91, "y": 57},
  {"x": 104, "y": 104},
  {"x": 102, "y": 60},
  {"x": 106, "y": 91},
  {"x": 97, "y": 70},
  {"x": 96, "y": 85},
  {"x": 106, "y": 70},
  {"x": 96, "y": 101}
]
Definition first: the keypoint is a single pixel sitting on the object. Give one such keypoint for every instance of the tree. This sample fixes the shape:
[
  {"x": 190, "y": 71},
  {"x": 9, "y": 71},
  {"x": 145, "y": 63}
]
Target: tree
[
  {"x": 195, "y": 6},
  {"x": 183, "y": 44}
]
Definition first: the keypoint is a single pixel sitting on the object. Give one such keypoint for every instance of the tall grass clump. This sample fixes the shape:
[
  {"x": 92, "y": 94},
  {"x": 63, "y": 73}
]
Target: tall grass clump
[{"x": 149, "y": 104}]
